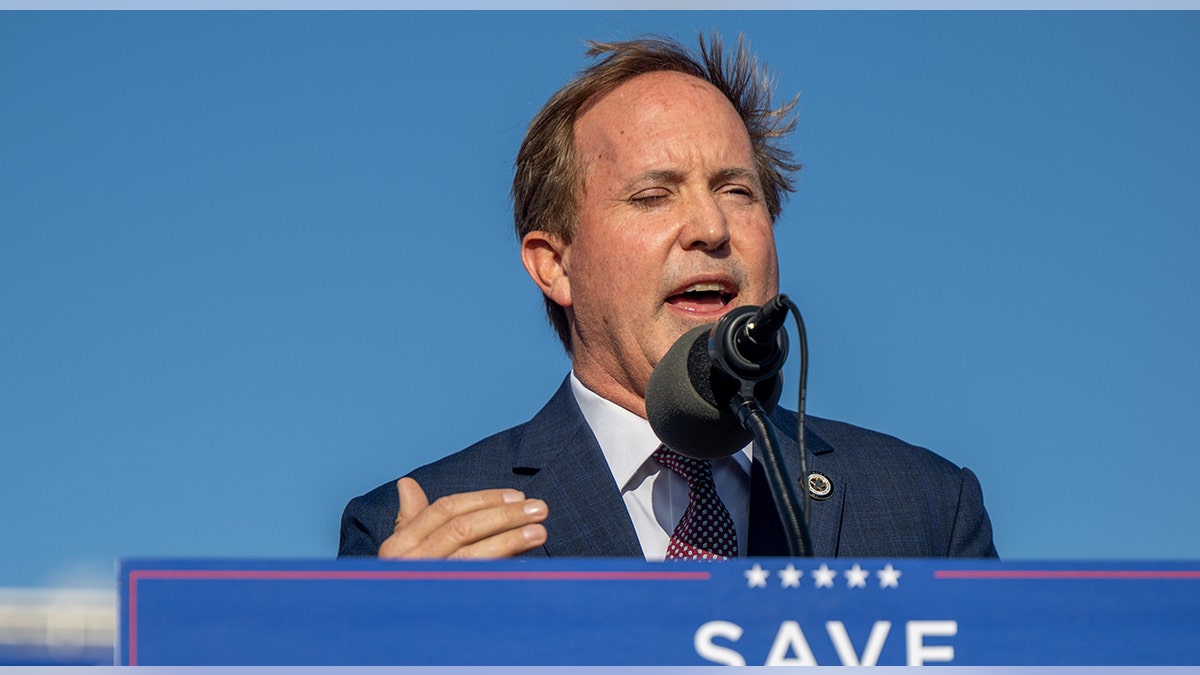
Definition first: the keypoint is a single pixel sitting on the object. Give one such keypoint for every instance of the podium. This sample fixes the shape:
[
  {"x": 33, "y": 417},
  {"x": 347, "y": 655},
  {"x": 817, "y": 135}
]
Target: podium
[{"x": 588, "y": 612}]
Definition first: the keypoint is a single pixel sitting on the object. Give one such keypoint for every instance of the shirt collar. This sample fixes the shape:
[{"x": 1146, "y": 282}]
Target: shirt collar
[{"x": 626, "y": 439}]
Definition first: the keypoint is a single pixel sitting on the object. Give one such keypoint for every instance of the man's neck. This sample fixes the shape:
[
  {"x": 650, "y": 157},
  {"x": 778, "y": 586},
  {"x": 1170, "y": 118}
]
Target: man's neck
[{"x": 604, "y": 384}]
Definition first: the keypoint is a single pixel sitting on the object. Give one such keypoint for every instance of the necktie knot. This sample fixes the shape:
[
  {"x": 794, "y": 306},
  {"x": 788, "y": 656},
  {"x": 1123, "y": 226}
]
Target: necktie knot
[
  {"x": 697, "y": 472},
  {"x": 706, "y": 531}
]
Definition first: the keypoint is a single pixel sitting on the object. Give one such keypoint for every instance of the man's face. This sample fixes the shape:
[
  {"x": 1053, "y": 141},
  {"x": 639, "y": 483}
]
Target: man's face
[{"x": 672, "y": 232}]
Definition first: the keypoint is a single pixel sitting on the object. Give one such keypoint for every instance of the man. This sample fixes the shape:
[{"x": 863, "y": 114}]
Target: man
[{"x": 645, "y": 196}]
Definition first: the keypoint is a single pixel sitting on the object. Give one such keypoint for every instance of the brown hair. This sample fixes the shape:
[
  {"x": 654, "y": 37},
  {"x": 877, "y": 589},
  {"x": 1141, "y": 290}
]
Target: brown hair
[{"x": 548, "y": 178}]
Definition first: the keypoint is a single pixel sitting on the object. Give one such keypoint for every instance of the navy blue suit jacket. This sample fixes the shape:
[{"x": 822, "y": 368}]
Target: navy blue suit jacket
[{"x": 890, "y": 499}]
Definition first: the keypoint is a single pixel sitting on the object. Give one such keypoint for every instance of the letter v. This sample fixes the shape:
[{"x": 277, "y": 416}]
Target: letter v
[{"x": 845, "y": 650}]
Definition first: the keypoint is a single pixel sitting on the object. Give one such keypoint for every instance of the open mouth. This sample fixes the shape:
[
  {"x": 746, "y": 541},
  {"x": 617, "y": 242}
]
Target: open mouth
[{"x": 704, "y": 298}]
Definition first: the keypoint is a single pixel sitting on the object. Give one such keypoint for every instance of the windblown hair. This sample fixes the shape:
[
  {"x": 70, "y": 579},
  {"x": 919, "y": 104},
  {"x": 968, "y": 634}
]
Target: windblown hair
[{"x": 549, "y": 178}]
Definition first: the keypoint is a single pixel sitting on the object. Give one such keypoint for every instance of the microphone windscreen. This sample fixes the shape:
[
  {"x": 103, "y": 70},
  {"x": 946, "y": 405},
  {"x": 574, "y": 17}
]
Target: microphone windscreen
[{"x": 687, "y": 401}]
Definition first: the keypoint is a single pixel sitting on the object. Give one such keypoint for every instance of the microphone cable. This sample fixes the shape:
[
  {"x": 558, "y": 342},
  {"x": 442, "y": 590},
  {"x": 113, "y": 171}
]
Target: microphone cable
[{"x": 802, "y": 394}]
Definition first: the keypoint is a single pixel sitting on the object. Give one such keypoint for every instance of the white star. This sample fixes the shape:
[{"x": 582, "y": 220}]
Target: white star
[
  {"x": 756, "y": 577},
  {"x": 790, "y": 577},
  {"x": 889, "y": 577},
  {"x": 823, "y": 576},
  {"x": 856, "y": 577}
]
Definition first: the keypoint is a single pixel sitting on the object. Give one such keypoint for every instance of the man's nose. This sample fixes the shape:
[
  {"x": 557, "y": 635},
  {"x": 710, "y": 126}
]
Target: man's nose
[{"x": 705, "y": 225}]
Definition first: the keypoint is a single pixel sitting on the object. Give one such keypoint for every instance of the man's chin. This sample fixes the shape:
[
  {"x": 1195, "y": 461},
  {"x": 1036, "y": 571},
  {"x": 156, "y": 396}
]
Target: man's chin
[{"x": 678, "y": 333}]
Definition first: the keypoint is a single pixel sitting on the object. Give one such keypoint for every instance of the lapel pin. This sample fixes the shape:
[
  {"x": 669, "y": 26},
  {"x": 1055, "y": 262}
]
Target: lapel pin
[{"x": 819, "y": 486}]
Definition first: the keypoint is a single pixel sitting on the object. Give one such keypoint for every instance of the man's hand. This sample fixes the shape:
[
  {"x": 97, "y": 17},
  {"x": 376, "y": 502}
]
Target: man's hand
[{"x": 483, "y": 524}]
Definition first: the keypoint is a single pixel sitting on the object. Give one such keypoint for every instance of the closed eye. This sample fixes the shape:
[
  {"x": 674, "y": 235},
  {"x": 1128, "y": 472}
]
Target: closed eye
[
  {"x": 650, "y": 198},
  {"x": 740, "y": 191}
]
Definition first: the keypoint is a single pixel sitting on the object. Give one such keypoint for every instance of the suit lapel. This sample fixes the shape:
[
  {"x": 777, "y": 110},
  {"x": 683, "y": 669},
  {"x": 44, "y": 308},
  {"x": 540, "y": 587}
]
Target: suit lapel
[
  {"x": 587, "y": 517},
  {"x": 767, "y": 537}
]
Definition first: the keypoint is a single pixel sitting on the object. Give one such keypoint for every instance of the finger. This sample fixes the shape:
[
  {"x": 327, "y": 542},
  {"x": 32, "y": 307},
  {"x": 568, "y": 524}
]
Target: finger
[
  {"x": 412, "y": 500},
  {"x": 421, "y": 520},
  {"x": 477, "y": 526},
  {"x": 505, "y": 544}
]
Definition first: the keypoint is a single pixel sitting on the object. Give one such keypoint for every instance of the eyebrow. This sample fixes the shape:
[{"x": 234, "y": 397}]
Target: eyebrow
[
  {"x": 654, "y": 176},
  {"x": 738, "y": 173},
  {"x": 675, "y": 177}
]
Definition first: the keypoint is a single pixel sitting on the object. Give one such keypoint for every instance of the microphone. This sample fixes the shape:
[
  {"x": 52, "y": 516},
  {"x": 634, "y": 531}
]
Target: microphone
[
  {"x": 747, "y": 343},
  {"x": 696, "y": 388}
]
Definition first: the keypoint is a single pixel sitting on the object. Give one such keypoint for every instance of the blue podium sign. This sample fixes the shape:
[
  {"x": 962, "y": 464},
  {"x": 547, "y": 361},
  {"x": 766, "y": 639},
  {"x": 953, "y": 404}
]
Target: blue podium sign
[{"x": 753, "y": 611}]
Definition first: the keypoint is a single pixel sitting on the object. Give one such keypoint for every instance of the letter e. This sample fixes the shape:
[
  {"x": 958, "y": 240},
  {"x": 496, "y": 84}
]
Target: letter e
[{"x": 916, "y": 632}]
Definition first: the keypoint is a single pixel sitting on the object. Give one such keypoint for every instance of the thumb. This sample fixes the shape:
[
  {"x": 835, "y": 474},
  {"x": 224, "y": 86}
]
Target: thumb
[{"x": 412, "y": 500}]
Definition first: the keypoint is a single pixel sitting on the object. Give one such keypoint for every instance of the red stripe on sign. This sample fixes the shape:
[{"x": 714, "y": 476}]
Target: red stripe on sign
[
  {"x": 1066, "y": 574},
  {"x": 377, "y": 575},
  {"x": 132, "y": 647},
  {"x": 422, "y": 575}
]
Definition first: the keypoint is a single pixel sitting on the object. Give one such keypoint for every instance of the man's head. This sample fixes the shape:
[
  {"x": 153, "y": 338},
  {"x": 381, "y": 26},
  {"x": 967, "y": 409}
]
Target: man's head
[{"x": 645, "y": 195}]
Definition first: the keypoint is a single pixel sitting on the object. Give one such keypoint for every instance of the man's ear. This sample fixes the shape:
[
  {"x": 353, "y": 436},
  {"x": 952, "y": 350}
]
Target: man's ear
[{"x": 546, "y": 257}]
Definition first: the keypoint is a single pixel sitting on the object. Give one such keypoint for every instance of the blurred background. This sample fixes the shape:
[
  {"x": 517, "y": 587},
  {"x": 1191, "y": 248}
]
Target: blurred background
[{"x": 254, "y": 264}]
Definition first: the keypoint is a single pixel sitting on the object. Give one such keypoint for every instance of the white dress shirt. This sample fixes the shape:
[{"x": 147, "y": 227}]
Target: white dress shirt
[{"x": 655, "y": 496}]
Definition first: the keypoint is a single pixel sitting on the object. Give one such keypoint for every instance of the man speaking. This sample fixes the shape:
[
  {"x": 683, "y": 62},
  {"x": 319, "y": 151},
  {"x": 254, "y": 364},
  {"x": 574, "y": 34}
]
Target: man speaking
[{"x": 645, "y": 197}]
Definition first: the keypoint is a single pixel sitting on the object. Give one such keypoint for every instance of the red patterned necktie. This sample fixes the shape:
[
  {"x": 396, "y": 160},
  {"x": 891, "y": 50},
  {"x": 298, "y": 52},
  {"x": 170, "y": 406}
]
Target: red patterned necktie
[{"x": 705, "y": 532}]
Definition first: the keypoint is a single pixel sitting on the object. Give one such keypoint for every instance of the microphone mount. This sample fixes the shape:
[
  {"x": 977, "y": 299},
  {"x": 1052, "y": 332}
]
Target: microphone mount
[{"x": 749, "y": 346}]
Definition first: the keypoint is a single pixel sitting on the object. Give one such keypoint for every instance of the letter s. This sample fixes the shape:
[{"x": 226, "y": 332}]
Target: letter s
[{"x": 703, "y": 641}]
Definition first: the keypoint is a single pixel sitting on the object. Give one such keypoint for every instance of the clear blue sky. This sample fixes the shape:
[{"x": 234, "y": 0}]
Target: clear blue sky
[{"x": 254, "y": 264}]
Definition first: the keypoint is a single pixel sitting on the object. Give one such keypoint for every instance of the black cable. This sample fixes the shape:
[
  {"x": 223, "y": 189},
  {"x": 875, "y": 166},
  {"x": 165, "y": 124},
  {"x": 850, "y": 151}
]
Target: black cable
[{"x": 803, "y": 393}]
